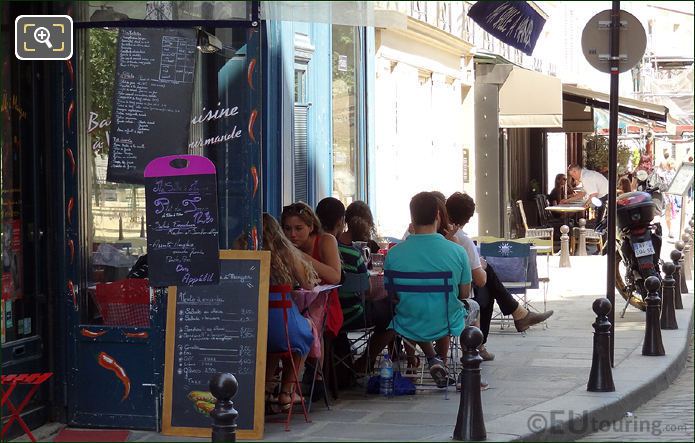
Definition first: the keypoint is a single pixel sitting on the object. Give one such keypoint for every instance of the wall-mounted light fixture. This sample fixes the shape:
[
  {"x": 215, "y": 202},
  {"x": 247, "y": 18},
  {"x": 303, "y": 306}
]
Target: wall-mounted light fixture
[{"x": 208, "y": 43}]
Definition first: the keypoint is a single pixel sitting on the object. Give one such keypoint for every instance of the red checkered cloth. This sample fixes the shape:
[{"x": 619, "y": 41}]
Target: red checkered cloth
[{"x": 125, "y": 302}]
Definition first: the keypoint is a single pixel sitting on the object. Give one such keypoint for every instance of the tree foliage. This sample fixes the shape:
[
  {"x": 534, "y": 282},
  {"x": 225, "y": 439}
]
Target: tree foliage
[
  {"x": 102, "y": 72},
  {"x": 597, "y": 154}
]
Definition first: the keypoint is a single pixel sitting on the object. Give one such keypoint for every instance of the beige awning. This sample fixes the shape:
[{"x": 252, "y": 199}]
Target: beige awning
[
  {"x": 529, "y": 99},
  {"x": 628, "y": 106},
  {"x": 576, "y": 117}
]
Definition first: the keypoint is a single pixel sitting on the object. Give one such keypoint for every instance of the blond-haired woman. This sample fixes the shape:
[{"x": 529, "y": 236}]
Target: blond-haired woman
[{"x": 288, "y": 269}]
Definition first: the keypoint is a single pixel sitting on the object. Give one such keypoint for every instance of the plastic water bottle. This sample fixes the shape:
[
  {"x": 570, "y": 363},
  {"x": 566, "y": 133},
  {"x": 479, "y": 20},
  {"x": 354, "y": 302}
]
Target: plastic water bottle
[{"x": 386, "y": 376}]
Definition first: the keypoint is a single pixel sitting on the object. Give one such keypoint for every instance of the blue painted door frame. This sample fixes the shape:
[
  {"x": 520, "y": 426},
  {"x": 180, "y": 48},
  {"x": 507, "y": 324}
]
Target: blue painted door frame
[{"x": 279, "y": 79}]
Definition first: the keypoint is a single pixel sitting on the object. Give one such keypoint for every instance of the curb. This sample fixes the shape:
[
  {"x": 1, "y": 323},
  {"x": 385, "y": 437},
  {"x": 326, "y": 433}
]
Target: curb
[{"x": 579, "y": 412}]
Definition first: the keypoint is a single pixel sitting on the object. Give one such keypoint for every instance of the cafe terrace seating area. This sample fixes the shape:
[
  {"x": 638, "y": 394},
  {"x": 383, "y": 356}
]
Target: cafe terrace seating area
[{"x": 522, "y": 264}]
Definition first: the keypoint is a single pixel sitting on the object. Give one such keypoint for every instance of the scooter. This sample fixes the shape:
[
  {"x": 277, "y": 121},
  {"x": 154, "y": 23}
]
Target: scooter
[{"x": 638, "y": 245}]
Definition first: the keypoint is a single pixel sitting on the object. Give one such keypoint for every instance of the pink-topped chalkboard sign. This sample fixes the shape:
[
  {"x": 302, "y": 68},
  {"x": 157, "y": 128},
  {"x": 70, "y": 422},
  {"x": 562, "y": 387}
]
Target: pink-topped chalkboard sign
[{"x": 182, "y": 222}]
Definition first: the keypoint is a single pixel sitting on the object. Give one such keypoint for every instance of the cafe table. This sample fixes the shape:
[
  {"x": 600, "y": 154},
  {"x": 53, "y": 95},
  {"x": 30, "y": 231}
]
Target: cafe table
[{"x": 566, "y": 211}]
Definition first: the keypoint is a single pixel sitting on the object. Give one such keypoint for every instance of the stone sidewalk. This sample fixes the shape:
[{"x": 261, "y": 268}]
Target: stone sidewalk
[
  {"x": 537, "y": 381},
  {"x": 667, "y": 417}
]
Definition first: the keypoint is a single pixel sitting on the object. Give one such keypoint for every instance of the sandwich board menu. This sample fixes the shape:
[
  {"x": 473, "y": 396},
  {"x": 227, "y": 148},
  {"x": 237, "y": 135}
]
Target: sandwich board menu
[{"x": 214, "y": 329}]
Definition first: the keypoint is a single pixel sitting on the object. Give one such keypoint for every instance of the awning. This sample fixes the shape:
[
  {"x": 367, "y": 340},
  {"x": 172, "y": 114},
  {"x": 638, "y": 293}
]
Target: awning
[
  {"x": 529, "y": 99},
  {"x": 628, "y": 106}
]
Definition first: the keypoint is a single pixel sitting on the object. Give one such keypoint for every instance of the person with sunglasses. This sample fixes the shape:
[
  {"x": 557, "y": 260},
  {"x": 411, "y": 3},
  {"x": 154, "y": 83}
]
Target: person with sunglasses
[{"x": 303, "y": 228}]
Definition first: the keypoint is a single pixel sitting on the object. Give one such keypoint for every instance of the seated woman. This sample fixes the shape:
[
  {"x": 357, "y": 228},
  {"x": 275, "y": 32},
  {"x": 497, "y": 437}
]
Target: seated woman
[
  {"x": 303, "y": 229},
  {"x": 373, "y": 313},
  {"x": 287, "y": 269},
  {"x": 559, "y": 192}
]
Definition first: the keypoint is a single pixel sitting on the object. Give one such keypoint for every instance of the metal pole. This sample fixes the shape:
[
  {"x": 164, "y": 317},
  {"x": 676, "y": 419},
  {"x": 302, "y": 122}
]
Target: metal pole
[{"x": 612, "y": 165}]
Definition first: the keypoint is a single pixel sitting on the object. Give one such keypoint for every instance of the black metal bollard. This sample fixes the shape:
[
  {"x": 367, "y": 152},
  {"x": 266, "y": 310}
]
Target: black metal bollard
[
  {"x": 142, "y": 227},
  {"x": 684, "y": 286},
  {"x": 470, "y": 425},
  {"x": 601, "y": 376},
  {"x": 224, "y": 387},
  {"x": 652, "y": 332},
  {"x": 120, "y": 227},
  {"x": 676, "y": 258},
  {"x": 668, "y": 308}
]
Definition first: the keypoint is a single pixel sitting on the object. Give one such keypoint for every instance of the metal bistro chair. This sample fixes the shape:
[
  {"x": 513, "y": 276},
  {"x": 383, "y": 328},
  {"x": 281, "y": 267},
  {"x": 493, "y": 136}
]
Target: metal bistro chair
[
  {"x": 284, "y": 302},
  {"x": 355, "y": 285},
  {"x": 591, "y": 238},
  {"x": 534, "y": 232},
  {"x": 510, "y": 260},
  {"x": 411, "y": 282}
]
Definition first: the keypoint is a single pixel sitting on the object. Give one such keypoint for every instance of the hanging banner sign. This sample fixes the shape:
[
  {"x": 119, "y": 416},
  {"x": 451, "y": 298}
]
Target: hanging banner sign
[
  {"x": 182, "y": 222},
  {"x": 514, "y": 23}
]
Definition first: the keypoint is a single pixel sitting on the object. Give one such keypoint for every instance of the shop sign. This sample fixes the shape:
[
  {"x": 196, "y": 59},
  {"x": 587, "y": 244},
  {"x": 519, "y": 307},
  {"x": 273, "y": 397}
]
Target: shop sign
[{"x": 514, "y": 23}]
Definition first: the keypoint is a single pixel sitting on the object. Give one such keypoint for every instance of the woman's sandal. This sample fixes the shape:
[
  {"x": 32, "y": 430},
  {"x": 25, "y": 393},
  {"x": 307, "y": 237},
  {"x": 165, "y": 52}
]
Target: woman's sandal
[
  {"x": 271, "y": 404},
  {"x": 293, "y": 399}
]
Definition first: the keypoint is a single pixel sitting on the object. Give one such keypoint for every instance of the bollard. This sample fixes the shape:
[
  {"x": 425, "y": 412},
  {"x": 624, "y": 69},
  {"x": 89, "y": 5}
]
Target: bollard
[
  {"x": 142, "y": 227},
  {"x": 120, "y": 227},
  {"x": 470, "y": 425},
  {"x": 677, "y": 299},
  {"x": 224, "y": 387},
  {"x": 668, "y": 308},
  {"x": 601, "y": 376},
  {"x": 581, "y": 248},
  {"x": 692, "y": 250},
  {"x": 687, "y": 255},
  {"x": 681, "y": 262},
  {"x": 564, "y": 247},
  {"x": 692, "y": 242},
  {"x": 652, "y": 332}
]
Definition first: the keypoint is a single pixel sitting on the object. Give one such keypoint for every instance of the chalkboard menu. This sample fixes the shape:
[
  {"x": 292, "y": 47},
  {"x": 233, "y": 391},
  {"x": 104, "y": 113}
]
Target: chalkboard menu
[
  {"x": 182, "y": 222},
  {"x": 683, "y": 180},
  {"x": 213, "y": 329},
  {"x": 152, "y": 99}
]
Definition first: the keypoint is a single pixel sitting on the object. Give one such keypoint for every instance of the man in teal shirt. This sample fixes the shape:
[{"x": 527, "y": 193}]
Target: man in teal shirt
[{"x": 424, "y": 317}]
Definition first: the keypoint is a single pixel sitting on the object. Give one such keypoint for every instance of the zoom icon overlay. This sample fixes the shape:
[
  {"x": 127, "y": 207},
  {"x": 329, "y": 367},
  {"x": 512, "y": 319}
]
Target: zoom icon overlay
[{"x": 43, "y": 37}]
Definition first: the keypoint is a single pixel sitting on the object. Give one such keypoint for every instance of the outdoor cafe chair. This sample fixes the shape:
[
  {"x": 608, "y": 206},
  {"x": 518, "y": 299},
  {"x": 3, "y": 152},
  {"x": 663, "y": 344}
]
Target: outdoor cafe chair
[
  {"x": 534, "y": 232},
  {"x": 398, "y": 282},
  {"x": 510, "y": 260},
  {"x": 284, "y": 302},
  {"x": 355, "y": 284}
]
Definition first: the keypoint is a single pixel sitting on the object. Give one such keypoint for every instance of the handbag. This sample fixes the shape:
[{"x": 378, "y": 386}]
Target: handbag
[{"x": 401, "y": 385}]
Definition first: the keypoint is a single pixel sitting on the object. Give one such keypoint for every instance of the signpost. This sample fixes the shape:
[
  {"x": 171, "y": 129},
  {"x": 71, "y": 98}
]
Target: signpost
[{"x": 604, "y": 51}]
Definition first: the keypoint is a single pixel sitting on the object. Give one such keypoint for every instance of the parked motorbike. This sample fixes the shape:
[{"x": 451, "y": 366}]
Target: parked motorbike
[{"x": 638, "y": 243}]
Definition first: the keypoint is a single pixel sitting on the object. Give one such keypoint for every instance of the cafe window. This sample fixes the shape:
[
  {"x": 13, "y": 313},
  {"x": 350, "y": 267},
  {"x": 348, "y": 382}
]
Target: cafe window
[
  {"x": 347, "y": 102},
  {"x": 114, "y": 228}
]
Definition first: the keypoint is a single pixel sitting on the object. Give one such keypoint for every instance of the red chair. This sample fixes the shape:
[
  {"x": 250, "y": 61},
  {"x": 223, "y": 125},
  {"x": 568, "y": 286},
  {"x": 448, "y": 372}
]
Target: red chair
[
  {"x": 20, "y": 379},
  {"x": 285, "y": 303}
]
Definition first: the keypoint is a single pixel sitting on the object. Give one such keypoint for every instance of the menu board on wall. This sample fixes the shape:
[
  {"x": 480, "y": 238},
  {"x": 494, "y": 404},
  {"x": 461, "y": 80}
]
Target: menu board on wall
[
  {"x": 683, "y": 180},
  {"x": 152, "y": 99},
  {"x": 217, "y": 329},
  {"x": 182, "y": 222},
  {"x": 465, "y": 159}
]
